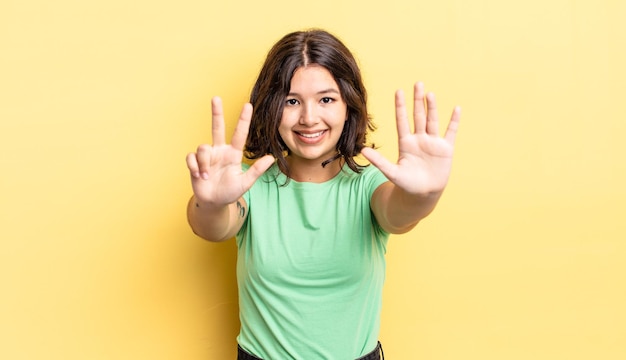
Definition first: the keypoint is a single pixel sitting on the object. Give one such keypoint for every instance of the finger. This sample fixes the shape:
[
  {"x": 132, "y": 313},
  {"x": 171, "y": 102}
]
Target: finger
[
  {"x": 378, "y": 160},
  {"x": 453, "y": 126},
  {"x": 257, "y": 169},
  {"x": 192, "y": 165},
  {"x": 419, "y": 109},
  {"x": 432, "y": 118},
  {"x": 243, "y": 125},
  {"x": 402, "y": 121},
  {"x": 217, "y": 121},
  {"x": 203, "y": 157}
]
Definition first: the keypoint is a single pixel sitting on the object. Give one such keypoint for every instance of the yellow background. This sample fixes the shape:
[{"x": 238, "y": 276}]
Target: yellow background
[{"x": 101, "y": 100}]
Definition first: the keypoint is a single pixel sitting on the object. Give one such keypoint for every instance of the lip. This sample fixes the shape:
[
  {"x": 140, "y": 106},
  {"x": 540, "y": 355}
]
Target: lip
[{"x": 310, "y": 137}]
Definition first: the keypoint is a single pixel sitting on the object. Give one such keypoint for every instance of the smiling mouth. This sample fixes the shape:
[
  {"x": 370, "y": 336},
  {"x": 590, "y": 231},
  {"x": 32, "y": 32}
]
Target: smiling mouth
[{"x": 311, "y": 135}]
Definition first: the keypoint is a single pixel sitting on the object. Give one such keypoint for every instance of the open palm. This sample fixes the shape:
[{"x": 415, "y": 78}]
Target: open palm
[
  {"x": 424, "y": 158},
  {"x": 217, "y": 178}
]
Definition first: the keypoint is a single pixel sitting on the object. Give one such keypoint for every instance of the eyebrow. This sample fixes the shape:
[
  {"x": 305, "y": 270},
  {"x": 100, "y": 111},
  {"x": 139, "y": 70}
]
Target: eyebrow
[{"x": 330, "y": 90}]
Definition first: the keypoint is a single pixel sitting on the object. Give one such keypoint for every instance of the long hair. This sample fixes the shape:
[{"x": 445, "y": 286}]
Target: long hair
[{"x": 268, "y": 95}]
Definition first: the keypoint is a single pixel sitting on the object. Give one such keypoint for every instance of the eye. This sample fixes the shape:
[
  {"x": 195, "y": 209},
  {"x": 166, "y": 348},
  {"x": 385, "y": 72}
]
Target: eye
[
  {"x": 327, "y": 100},
  {"x": 292, "y": 102}
]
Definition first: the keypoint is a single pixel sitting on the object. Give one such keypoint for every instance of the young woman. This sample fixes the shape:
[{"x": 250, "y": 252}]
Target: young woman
[{"x": 311, "y": 224}]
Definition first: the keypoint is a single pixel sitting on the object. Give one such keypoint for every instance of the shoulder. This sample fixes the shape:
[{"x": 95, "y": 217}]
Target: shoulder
[{"x": 370, "y": 176}]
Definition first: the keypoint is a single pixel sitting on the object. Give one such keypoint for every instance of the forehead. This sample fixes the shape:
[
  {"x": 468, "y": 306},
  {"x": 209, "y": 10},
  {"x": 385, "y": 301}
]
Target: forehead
[{"x": 313, "y": 77}]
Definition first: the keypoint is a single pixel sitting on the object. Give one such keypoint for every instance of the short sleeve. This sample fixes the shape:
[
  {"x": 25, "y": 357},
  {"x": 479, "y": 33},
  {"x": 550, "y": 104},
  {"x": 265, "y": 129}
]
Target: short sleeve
[{"x": 373, "y": 178}]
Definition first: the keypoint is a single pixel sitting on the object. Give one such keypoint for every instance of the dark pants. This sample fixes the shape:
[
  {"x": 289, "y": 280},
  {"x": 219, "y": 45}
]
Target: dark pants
[{"x": 374, "y": 355}]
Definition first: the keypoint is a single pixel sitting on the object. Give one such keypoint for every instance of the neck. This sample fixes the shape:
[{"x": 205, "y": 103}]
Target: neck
[{"x": 313, "y": 171}]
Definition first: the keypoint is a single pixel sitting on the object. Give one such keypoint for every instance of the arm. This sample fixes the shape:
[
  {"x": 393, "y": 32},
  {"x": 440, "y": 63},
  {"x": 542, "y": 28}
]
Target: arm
[
  {"x": 398, "y": 211},
  {"x": 216, "y": 224},
  {"x": 421, "y": 174},
  {"x": 217, "y": 210}
]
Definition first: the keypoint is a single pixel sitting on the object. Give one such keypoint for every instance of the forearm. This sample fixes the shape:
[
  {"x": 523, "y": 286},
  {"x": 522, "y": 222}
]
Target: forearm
[
  {"x": 214, "y": 223},
  {"x": 398, "y": 211}
]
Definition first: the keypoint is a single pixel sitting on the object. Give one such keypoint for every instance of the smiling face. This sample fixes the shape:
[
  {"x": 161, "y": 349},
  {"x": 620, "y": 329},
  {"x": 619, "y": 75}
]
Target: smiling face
[
  {"x": 305, "y": 52},
  {"x": 313, "y": 117}
]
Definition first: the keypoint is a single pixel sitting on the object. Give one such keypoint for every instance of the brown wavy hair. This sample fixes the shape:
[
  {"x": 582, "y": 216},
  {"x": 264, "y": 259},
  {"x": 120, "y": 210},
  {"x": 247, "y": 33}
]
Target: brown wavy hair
[{"x": 268, "y": 95}]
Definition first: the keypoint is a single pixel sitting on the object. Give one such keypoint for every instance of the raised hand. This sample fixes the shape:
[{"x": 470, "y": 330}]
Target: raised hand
[
  {"x": 425, "y": 158},
  {"x": 217, "y": 178}
]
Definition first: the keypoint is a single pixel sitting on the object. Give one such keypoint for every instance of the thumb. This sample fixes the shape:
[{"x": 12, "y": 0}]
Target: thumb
[
  {"x": 257, "y": 169},
  {"x": 378, "y": 160}
]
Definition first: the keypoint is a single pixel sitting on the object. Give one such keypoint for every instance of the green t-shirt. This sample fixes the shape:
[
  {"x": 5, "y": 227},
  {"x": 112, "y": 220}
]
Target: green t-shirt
[{"x": 311, "y": 267}]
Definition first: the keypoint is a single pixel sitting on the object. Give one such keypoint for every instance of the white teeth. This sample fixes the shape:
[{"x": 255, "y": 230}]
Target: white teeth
[{"x": 310, "y": 136}]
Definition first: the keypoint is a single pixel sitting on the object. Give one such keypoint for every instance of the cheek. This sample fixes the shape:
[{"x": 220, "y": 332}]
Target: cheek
[
  {"x": 284, "y": 129},
  {"x": 342, "y": 115},
  {"x": 287, "y": 121},
  {"x": 282, "y": 132},
  {"x": 342, "y": 122}
]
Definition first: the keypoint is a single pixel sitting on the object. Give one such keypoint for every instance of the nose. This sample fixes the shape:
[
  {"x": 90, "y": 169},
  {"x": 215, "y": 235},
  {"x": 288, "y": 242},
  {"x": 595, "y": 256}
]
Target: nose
[{"x": 308, "y": 116}]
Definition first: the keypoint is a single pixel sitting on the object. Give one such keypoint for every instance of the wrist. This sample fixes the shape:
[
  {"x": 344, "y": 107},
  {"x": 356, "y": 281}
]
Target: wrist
[
  {"x": 417, "y": 196},
  {"x": 207, "y": 206}
]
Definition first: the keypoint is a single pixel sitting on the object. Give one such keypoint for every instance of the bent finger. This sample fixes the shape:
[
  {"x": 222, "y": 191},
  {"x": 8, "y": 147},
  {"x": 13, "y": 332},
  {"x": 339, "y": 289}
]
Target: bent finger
[
  {"x": 192, "y": 165},
  {"x": 203, "y": 158}
]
